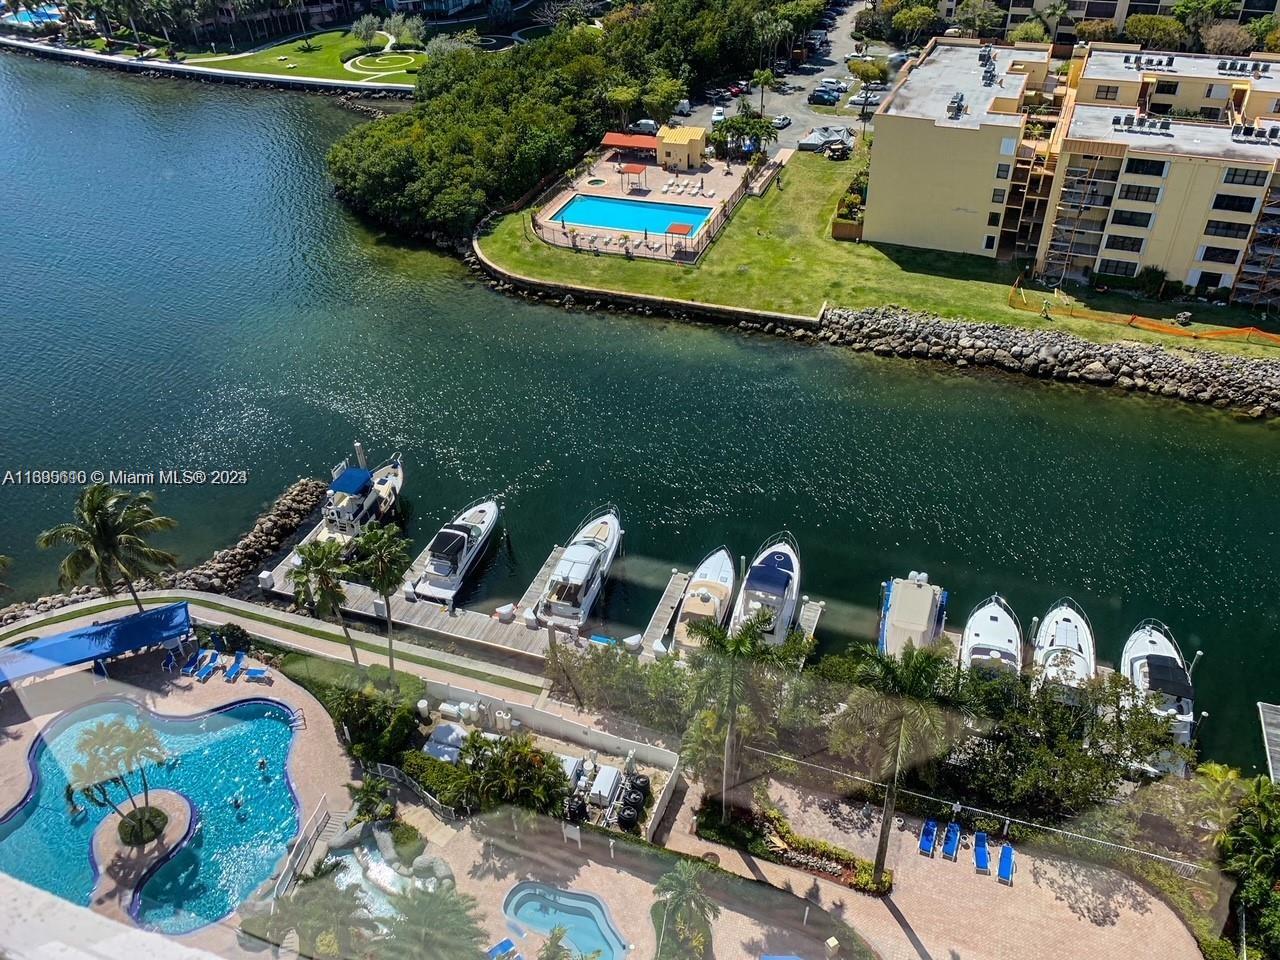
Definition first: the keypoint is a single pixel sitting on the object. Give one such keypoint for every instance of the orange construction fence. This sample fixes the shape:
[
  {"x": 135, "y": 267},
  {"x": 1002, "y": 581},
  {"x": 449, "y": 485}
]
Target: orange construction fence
[{"x": 1019, "y": 300}]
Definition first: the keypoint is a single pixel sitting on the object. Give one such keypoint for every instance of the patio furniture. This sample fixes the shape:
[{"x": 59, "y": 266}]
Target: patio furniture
[
  {"x": 709, "y": 193},
  {"x": 951, "y": 842},
  {"x": 981, "y": 854},
  {"x": 1007, "y": 867},
  {"x": 257, "y": 675},
  {"x": 501, "y": 949},
  {"x": 928, "y": 838},
  {"x": 236, "y": 668},
  {"x": 170, "y": 664},
  {"x": 196, "y": 661},
  {"x": 209, "y": 668}
]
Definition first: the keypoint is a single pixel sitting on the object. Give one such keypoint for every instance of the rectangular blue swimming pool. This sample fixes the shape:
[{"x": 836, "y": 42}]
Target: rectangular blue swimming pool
[{"x": 618, "y": 213}]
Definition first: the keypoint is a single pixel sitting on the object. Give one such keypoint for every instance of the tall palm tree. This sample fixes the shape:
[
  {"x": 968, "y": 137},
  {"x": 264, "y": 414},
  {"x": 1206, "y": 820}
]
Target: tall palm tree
[
  {"x": 1220, "y": 789},
  {"x": 89, "y": 779},
  {"x": 140, "y": 747},
  {"x": 108, "y": 537},
  {"x": 911, "y": 707},
  {"x": 317, "y": 583},
  {"x": 384, "y": 560},
  {"x": 556, "y": 949},
  {"x": 1053, "y": 14},
  {"x": 103, "y": 744},
  {"x": 319, "y": 906},
  {"x": 685, "y": 901},
  {"x": 725, "y": 667},
  {"x": 433, "y": 926},
  {"x": 764, "y": 79}
]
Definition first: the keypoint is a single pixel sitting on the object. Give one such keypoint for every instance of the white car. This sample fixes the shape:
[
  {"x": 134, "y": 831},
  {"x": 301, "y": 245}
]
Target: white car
[
  {"x": 717, "y": 115},
  {"x": 782, "y": 122},
  {"x": 839, "y": 86},
  {"x": 865, "y": 98},
  {"x": 875, "y": 85}
]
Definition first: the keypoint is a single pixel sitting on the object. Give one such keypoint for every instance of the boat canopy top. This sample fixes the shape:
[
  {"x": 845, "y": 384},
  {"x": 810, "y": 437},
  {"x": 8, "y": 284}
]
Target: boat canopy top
[
  {"x": 352, "y": 480},
  {"x": 577, "y": 565},
  {"x": 1168, "y": 675},
  {"x": 449, "y": 543},
  {"x": 771, "y": 576}
]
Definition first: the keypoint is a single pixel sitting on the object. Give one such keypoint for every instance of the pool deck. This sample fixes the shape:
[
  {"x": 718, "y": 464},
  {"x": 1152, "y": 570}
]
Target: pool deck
[{"x": 318, "y": 766}]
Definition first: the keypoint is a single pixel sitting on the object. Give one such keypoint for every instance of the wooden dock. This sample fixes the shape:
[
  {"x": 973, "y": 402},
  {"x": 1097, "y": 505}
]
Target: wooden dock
[
  {"x": 1270, "y": 716},
  {"x": 539, "y": 583},
  {"x": 810, "y": 611},
  {"x": 665, "y": 611}
]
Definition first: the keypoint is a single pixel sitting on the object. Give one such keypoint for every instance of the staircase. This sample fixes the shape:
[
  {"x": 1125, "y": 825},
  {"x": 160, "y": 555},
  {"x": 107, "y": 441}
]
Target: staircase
[{"x": 298, "y": 720}]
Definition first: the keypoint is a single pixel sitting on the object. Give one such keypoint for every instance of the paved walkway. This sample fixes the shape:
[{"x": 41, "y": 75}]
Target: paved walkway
[{"x": 946, "y": 911}]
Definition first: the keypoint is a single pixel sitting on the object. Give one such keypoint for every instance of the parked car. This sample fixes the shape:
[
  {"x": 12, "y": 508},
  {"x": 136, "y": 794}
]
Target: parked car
[
  {"x": 683, "y": 108},
  {"x": 867, "y": 97},
  {"x": 736, "y": 90},
  {"x": 828, "y": 98},
  {"x": 831, "y": 83},
  {"x": 717, "y": 115},
  {"x": 781, "y": 122},
  {"x": 644, "y": 126},
  {"x": 875, "y": 85}
]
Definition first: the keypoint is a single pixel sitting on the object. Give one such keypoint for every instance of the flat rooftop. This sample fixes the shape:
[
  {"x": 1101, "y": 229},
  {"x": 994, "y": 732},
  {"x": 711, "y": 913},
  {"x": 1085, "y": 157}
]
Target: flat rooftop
[
  {"x": 1213, "y": 141},
  {"x": 1133, "y": 66},
  {"x": 950, "y": 69}
]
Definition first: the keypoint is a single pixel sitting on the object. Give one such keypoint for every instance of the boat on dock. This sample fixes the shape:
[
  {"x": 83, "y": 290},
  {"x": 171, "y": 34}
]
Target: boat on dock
[
  {"x": 772, "y": 585},
  {"x": 1064, "y": 647},
  {"x": 1155, "y": 665},
  {"x": 992, "y": 638},
  {"x": 912, "y": 611},
  {"x": 708, "y": 596},
  {"x": 358, "y": 496},
  {"x": 453, "y": 551},
  {"x": 578, "y": 578}
]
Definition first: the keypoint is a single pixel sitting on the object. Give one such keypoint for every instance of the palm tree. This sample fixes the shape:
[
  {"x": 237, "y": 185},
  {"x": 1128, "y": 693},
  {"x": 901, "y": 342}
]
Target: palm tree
[
  {"x": 1220, "y": 789},
  {"x": 317, "y": 583},
  {"x": 318, "y": 906},
  {"x": 763, "y": 79},
  {"x": 725, "y": 669},
  {"x": 1053, "y": 14},
  {"x": 108, "y": 536},
  {"x": 433, "y": 926},
  {"x": 371, "y": 799},
  {"x": 681, "y": 892},
  {"x": 103, "y": 747},
  {"x": 139, "y": 747},
  {"x": 910, "y": 706},
  {"x": 89, "y": 779},
  {"x": 384, "y": 560},
  {"x": 555, "y": 948}
]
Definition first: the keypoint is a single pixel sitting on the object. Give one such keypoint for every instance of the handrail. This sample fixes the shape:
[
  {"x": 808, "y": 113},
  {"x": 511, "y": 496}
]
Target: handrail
[{"x": 318, "y": 820}]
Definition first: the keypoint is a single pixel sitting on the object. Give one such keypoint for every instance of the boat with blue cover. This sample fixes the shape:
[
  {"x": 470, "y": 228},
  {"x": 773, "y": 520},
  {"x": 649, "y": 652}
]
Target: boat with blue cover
[
  {"x": 358, "y": 496},
  {"x": 771, "y": 587}
]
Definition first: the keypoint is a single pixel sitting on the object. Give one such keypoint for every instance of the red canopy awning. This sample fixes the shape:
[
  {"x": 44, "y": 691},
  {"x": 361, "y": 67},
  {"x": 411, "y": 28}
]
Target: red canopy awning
[
  {"x": 681, "y": 229},
  {"x": 630, "y": 141},
  {"x": 634, "y": 168}
]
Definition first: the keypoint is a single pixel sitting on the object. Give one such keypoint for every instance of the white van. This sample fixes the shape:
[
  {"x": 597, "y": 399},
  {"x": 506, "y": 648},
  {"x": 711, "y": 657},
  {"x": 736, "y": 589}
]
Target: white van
[
  {"x": 643, "y": 126},
  {"x": 683, "y": 109}
]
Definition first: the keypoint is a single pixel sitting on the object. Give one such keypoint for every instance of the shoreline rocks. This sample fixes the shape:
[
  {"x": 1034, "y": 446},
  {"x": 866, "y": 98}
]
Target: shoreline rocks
[{"x": 224, "y": 572}]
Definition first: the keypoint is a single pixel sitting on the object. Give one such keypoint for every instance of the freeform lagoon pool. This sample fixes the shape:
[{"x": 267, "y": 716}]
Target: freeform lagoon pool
[
  {"x": 213, "y": 758},
  {"x": 585, "y": 918},
  {"x": 637, "y": 216}
]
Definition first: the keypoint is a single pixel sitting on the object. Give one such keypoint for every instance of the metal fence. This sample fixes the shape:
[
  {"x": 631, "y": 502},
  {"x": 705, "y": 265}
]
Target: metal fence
[
  {"x": 293, "y": 864},
  {"x": 398, "y": 776}
]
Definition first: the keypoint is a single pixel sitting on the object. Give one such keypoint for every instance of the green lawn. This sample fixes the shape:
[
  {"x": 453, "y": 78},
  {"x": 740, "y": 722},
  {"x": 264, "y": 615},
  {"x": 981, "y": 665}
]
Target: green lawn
[
  {"x": 321, "y": 56},
  {"x": 777, "y": 254}
]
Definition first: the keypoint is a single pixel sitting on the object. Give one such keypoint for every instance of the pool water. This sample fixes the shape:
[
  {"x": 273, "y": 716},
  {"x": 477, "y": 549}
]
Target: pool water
[
  {"x": 585, "y": 918},
  {"x": 45, "y": 14},
  {"x": 375, "y": 878},
  {"x": 618, "y": 213},
  {"x": 213, "y": 758}
]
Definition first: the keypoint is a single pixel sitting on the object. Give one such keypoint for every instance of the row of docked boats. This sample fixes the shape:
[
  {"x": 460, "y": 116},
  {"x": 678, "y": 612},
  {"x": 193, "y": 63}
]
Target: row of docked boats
[{"x": 1063, "y": 650}]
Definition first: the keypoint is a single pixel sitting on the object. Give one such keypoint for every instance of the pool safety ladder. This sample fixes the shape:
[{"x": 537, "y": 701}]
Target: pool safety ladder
[{"x": 298, "y": 720}]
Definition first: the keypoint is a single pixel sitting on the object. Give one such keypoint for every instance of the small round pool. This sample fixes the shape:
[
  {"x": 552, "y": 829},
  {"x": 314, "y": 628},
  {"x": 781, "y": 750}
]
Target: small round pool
[
  {"x": 589, "y": 929},
  {"x": 595, "y": 182}
]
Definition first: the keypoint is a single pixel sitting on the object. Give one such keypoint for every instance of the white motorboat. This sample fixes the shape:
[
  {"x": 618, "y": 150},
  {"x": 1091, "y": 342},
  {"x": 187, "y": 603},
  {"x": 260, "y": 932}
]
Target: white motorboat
[
  {"x": 772, "y": 585},
  {"x": 358, "y": 496},
  {"x": 1064, "y": 648},
  {"x": 708, "y": 596},
  {"x": 453, "y": 551},
  {"x": 579, "y": 574},
  {"x": 1154, "y": 664},
  {"x": 912, "y": 611},
  {"x": 992, "y": 638}
]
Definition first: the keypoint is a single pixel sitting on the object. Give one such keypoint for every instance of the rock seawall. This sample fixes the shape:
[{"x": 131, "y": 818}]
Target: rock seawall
[{"x": 222, "y": 572}]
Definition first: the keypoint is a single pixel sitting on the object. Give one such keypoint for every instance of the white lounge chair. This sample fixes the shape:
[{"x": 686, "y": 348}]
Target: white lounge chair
[
  {"x": 666, "y": 188},
  {"x": 709, "y": 194}
]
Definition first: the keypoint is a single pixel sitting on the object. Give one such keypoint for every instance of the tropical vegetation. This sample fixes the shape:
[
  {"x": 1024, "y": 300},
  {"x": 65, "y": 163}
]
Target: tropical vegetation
[
  {"x": 109, "y": 536},
  {"x": 317, "y": 582},
  {"x": 438, "y": 925},
  {"x": 114, "y": 753},
  {"x": 383, "y": 560},
  {"x": 492, "y": 773},
  {"x": 687, "y": 909}
]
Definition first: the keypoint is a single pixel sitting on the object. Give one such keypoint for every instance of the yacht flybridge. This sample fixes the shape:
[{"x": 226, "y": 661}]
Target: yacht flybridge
[
  {"x": 579, "y": 574},
  {"x": 454, "y": 550},
  {"x": 992, "y": 638},
  {"x": 772, "y": 586},
  {"x": 1154, "y": 664},
  {"x": 358, "y": 496},
  {"x": 1064, "y": 648},
  {"x": 708, "y": 596},
  {"x": 912, "y": 611}
]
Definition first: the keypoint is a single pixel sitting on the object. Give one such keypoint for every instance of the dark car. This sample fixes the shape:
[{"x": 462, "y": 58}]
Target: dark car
[{"x": 824, "y": 97}]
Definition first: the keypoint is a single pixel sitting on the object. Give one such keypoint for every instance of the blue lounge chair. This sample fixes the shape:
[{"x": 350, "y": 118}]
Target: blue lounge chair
[
  {"x": 170, "y": 663},
  {"x": 928, "y": 837},
  {"x": 981, "y": 853},
  {"x": 257, "y": 675},
  {"x": 502, "y": 948},
  {"x": 951, "y": 842},
  {"x": 194, "y": 662},
  {"x": 208, "y": 669},
  {"x": 236, "y": 668},
  {"x": 215, "y": 638},
  {"x": 1007, "y": 867}
]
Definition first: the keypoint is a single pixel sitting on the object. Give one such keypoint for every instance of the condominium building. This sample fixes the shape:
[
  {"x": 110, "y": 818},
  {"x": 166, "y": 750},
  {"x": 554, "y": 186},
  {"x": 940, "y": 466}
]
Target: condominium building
[
  {"x": 1016, "y": 11},
  {"x": 1144, "y": 160}
]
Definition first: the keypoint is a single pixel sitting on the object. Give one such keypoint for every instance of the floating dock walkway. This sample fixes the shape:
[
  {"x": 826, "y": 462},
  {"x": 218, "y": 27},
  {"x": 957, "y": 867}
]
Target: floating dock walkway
[{"x": 665, "y": 612}]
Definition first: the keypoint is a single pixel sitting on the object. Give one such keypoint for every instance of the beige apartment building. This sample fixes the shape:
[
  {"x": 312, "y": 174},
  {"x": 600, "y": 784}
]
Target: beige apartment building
[
  {"x": 1064, "y": 29},
  {"x": 1141, "y": 160}
]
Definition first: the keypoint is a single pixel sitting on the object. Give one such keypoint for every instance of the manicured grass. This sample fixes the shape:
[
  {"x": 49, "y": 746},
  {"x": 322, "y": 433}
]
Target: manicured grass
[
  {"x": 777, "y": 254},
  {"x": 320, "y": 56},
  {"x": 139, "y": 827}
]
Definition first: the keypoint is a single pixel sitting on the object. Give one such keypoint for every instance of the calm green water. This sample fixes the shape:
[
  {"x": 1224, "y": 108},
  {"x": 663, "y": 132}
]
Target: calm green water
[{"x": 180, "y": 290}]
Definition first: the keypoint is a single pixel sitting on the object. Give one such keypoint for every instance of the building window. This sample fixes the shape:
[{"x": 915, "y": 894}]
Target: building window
[
  {"x": 1220, "y": 255},
  {"x": 1169, "y": 87},
  {"x": 997, "y": 196},
  {"x": 1131, "y": 191},
  {"x": 1131, "y": 244},
  {"x": 1118, "y": 268},
  {"x": 1145, "y": 168},
  {"x": 1211, "y": 113},
  {"x": 1275, "y": 105},
  {"x": 1002, "y": 171},
  {"x": 1130, "y": 218},
  {"x": 989, "y": 243},
  {"x": 1245, "y": 176},
  {"x": 993, "y": 219},
  {"x": 1233, "y": 202},
  {"x": 1225, "y": 228},
  {"x": 1107, "y": 91},
  {"x": 1008, "y": 146}
]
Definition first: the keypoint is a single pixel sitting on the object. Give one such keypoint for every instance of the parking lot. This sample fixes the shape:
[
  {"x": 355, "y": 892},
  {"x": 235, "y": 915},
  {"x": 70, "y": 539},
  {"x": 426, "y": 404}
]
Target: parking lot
[{"x": 799, "y": 82}]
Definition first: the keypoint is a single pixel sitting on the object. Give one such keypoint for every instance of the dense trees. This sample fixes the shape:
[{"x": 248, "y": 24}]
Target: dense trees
[
  {"x": 317, "y": 583},
  {"x": 1029, "y": 31},
  {"x": 1225, "y": 38},
  {"x": 1154, "y": 31}
]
